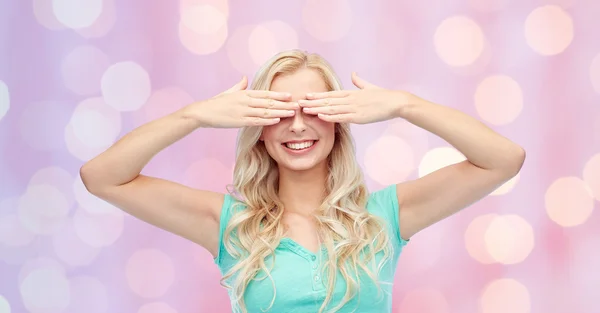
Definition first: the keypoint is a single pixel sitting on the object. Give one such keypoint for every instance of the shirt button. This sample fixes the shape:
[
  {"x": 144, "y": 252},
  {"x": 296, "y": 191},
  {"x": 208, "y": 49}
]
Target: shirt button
[
  {"x": 317, "y": 278},
  {"x": 314, "y": 257},
  {"x": 314, "y": 266}
]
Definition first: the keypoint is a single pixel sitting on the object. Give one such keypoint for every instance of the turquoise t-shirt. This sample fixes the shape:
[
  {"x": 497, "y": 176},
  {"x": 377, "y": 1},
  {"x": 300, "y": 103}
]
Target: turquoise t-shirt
[{"x": 297, "y": 276}]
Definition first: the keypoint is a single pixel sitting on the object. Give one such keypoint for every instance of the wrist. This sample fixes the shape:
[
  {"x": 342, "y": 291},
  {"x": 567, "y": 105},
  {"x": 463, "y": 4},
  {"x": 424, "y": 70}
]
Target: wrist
[
  {"x": 190, "y": 113},
  {"x": 405, "y": 102}
]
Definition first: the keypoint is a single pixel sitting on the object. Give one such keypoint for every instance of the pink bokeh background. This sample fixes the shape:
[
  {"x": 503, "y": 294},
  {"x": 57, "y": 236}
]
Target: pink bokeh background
[{"x": 75, "y": 75}]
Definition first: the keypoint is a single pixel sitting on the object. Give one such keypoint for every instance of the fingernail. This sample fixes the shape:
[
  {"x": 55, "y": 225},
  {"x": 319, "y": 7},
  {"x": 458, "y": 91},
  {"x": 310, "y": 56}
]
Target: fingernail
[
  {"x": 309, "y": 94},
  {"x": 301, "y": 102}
]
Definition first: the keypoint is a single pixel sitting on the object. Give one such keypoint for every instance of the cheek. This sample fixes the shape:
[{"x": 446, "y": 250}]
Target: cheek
[
  {"x": 328, "y": 129},
  {"x": 268, "y": 133}
]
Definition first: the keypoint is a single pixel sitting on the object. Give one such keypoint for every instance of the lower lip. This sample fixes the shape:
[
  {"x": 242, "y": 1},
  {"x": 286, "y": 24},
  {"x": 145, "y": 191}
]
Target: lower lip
[{"x": 303, "y": 151}]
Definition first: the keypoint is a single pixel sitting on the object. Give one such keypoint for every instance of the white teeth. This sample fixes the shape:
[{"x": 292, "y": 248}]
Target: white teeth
[{"x": 299, "y": 145}]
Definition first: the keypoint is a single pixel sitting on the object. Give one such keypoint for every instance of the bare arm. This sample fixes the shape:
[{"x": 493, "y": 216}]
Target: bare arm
[
  {"x": 193, "y": 214},
  {"x": 115, "y": 177},
  {"x": 491, "y": 160}
]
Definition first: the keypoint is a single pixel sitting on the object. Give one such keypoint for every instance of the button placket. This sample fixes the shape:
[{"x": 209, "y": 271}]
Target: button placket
[{"x": 315, "y": 273}]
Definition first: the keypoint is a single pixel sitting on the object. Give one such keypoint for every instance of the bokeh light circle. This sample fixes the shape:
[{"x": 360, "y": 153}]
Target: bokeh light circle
[
  {"x": 4, "y": 99},
  {"x": 43, "y": 209},
  {"x": 424, "y": 300},
  {"x": 221, "y": 5},
  {"x": 44, "y": 14},
  {"x": 594, "y": 73},
  {"x": 327, "y": 20},
  {"x": 269, "y": 38},
  {"x": 475, "y": 238},
  {"x": 156, "y": 307},
  {"x": 203, "y": 28},
  {"x": 57, "y": 177},
  {"x": 93, "y": 127},
  {"x": 39, "y": 298},
  {"x": 416, "y": 137},
  {"x": 4, "y": 305},
  {"x": 591, "y": 175},
  {"x": 163, "y": 102},
  {"x": 88, "y": 295},
  {"x": 89, "y": 202},
  {"x": 488, "y": 5},
  {"x": 150, "y": 273},
  {"x": 389, "y": 159},
  {"x": 95, "y": 124},
  {"x": 98, "y": 230},
  {"x": 459, "y": 41},
  {"x": 71, "y": 249},
  {"x": 438, "y": 158},
  {"x": 125, "y": 86},
  {"x": 103, "y": 24},
  {"x": 505, "y": 295},
  {"x": 549, "y": 30},
  {"x": 237, "y": 50},
  {"x": 84, "y": 82},
  {"x": 509, "y": 239},
  {"x": 507, "y": 186},
  {"x": 569, "y": 201},
  {"x": 77, "y": 13},
  {"x": 498, "y": 99},
  {"x": 39, "y": 263},
  {"x": 203, "y": 19},
  {"x": 13, "y": 233}
]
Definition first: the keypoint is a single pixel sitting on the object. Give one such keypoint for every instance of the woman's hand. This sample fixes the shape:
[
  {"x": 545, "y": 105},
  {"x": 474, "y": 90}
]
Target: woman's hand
[
  {"x": 238, "y": 107},
  {"x": 369, "y": 104}
]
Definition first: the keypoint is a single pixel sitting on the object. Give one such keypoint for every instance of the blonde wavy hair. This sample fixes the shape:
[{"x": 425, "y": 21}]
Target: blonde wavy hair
[{"x": 350, "y": 234}]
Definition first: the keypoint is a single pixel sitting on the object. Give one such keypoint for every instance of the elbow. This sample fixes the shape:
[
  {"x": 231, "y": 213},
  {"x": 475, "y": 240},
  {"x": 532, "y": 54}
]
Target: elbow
[
  {"x": 515, "y": 161},
  {"x": 90, "y": 180}
]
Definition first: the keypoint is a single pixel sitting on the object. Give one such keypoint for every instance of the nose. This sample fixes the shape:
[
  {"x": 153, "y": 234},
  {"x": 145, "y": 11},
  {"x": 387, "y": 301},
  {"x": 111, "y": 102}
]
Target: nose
[{"x": 298, "y": 124}]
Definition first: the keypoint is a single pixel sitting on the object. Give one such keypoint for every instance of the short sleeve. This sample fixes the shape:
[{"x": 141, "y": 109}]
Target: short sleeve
[
  {"x": 223, "y": 221},
  {"x": 384, "y": 203}
]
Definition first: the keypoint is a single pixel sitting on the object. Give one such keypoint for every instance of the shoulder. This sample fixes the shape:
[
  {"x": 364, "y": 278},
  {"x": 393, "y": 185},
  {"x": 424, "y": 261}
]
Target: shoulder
[
  {"x": 384, "y": 204},
  {"x": 231, "y": 205},
  {"x": 384, "y": 199}
]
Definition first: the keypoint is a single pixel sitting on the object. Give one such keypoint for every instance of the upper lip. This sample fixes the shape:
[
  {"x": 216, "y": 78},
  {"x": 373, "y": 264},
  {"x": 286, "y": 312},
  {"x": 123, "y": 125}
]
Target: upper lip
[{"x": 298, "y": 141}]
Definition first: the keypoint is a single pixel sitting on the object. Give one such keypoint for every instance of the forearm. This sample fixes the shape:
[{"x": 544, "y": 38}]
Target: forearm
[
  {"x": 481, "y": 145},
  {"x": 125, "y": 159}
]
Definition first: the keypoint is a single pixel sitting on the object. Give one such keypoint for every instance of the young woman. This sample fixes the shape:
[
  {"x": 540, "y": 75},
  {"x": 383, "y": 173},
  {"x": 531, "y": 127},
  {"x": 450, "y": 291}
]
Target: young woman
[{"x": 299, "y": 232}]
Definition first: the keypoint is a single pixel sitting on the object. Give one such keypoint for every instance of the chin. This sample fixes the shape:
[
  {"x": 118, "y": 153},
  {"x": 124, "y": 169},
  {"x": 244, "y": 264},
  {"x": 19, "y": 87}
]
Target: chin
[{"x": 299, "y": 166}]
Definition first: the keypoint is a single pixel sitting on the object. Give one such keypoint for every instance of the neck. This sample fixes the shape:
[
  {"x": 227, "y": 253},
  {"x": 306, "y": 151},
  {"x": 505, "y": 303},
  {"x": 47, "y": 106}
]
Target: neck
[{"x": 302, "y": 192}]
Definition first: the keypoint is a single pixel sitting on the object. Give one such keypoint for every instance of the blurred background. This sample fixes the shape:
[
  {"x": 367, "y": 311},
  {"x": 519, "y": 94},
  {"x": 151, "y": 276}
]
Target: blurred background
[{"x": 75, "y": 75}]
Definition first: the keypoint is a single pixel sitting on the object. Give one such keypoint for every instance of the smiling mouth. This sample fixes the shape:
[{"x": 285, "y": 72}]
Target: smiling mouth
[{"x": 299, "y": 145}]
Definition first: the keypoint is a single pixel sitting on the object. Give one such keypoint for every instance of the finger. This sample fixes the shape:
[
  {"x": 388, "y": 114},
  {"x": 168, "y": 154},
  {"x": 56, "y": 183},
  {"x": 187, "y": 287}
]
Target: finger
[
  {"x": 328, "y": 94},
  {"x": 267, "y": 94},
  {"x": 272, "y": 104},
  {"x": 336, "y": 109},
  {"x": 241, "y": 85},
  {"x": 270, "y": 113},
  {"x": 338, "y": 118},
  {"x": 322, "y": 102},
  {"x": 257, "y": 121},
  {"x": 357, "y": 81}
]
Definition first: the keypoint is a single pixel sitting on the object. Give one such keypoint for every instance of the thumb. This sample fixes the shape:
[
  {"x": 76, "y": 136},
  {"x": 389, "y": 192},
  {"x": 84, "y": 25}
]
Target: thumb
[
  {"x": 359, "y": 82},
  {"x": 241, "y": 85}
]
